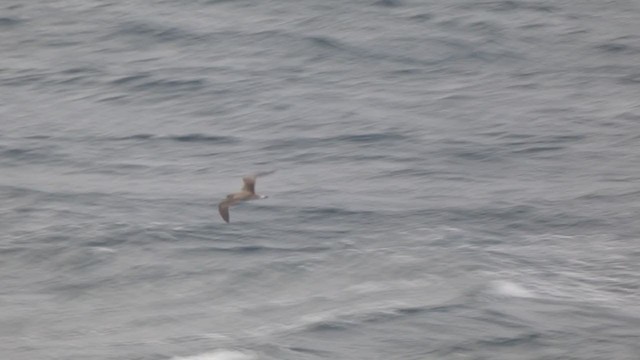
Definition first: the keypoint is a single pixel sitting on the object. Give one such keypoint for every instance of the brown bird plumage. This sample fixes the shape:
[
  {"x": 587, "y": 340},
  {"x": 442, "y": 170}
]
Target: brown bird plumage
[{"x": 247, "y": 193}]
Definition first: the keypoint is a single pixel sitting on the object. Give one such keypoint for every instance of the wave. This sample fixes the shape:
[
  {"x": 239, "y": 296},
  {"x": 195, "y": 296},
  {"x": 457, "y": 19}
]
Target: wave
[
  {"x": 145, "y": 82},
  {"x": 9, "y": 21},
  {"x": 336, "y": 321},
  {"x": 250, "y": 249},
  {"x": 332, "y": 211},
  {"x": 368, "y": 138},
  {"x": 195, "y": 138},
  {"x": 510, "y": 5},
  {"x": 153, "y": 31},
  {"x": 510, "y": 289},
  {"x": 40, "y": 155},
  {"x": 220, "y": 355},
  {"x": 379, "y": 138},
  {"x": 388, "y": 3}
]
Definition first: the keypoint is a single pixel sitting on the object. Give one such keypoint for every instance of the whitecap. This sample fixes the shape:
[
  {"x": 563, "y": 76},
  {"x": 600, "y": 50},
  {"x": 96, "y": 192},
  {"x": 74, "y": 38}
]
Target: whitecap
[
  {"x": 102, "y": 249},
  {"x": 219, "y": 355},
  {"x": 508, "y": 288}
]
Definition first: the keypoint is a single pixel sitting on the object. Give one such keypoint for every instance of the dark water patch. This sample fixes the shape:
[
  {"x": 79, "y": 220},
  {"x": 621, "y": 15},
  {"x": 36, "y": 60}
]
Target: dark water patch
[
  {"x": 166, "y": 85},
  {"x": 304, "y": 157},
  {"x": 199, "y": 138},
  {"x": 137, "y": 137},
  {"x": 562, "y": 138},
  {"x": 621, "y": 179},
  {"x": 206, "y": 155},
  {"x": 357, "y": 320},
  {"x": 611, "y": 197},
  {"x": 42, "y": 252},
  {"x": 531, "y": 339},
  {"x": 619, "y": 47},
  {"x": 388, "y": 3},
  {"x": 8, "y": 192},
  {"x": 633, "y": 79},
  {"x": 500, "y": 317},
  {"x": 410, "y": 172},
  {"x": 411, "y": 310},
  {"x": 158, "y": 33},
  {"x": 505, "y": 134},
  {"x": 612, "y": 47},
  {"x": 39, "y": 77},
  {"x": 524, "y": 144},
  {"x": 629, "y": 116},
  {"x": 256, "y": 249},
  {"x": 292, "y": 143},
  {"x": 538, "y": 149},
  {"x": 327, "y": 42},
  {"x": 80, "y": 70},
  {"x": 215, "y": 2},
  {"x": 55, "y": 42},
  {"x": 125, "y": 169},
  {"x": 339, "y": 48},
  {"x": 315, "y": 352},
  {"x": 329, "y": 326},
  {"x": 522, "y": 218},
  {"x": 13, "y": 250},
  {"x": 530, "y": 139},
  {"x": 123, "y": 99},
  {"x": 377, "y": 317},
  {"x": 31, "y": 155},
  {"x": 415, "y": 310},
  {"x": 130, "y": 79},
  {"x": 73, "y": 289},
  {"x": 7, "y": 22},
  {"x": 23, "y": 78},
  {"x": 336, "y": 215},
  {"x": 509, "y": 213},
  {"x": 485, "y": 154},
  {"x": 80, "y": 261},
  {"x": 187, "y": 138},
  {"x": 333, "y": 212},
  {"x": 406, "y": 72},
  {"x": 373, "y": 139},
  {"x": 353, "y": 156},
  {"x": 150, "y": 321},
  {"x": 606, "y": 71},
  {"x": 518, "y": 136},
  {"x": 71, "y": 80},
  {"x": 399, "y": 51},
  {"x": 75, "y": 75},
  {"x": 367, "y": 138},
  {"x": 38, "y": 137},
  {"x": 422, "y": 17},
  {"x": 181, "y": 85},
  {"x": 512, "y": 6}
]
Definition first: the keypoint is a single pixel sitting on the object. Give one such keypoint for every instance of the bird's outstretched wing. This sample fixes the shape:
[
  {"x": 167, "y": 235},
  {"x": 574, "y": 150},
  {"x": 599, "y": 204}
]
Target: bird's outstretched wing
[
  {"x": 249, "y": 184},
  {"x": 250, "y": 181},
  {"x": 223, "y": 207}
]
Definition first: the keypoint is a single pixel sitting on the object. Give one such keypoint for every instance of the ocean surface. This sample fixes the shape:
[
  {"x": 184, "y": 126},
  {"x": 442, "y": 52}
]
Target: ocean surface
[{"x": 453, "y": 179}]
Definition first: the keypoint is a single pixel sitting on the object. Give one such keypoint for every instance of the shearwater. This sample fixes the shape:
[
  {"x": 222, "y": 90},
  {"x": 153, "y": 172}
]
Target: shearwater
[{"x": 247, "y": 193}]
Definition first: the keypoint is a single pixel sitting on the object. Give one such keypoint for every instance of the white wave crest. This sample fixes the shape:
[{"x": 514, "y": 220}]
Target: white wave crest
[{"x": 219, "y": 355}]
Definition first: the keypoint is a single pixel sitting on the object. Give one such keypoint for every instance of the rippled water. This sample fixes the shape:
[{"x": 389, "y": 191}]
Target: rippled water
[{"x": 454, "y": 180}]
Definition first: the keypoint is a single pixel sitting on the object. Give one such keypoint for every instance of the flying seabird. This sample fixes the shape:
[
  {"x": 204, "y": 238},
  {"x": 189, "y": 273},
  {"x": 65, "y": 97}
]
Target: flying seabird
[{"x": 247, "y": 193}]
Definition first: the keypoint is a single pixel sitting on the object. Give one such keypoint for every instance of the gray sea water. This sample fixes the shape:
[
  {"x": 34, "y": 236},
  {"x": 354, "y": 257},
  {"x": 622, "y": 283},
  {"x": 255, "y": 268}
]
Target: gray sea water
[{"x": 454, "y": 179}]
